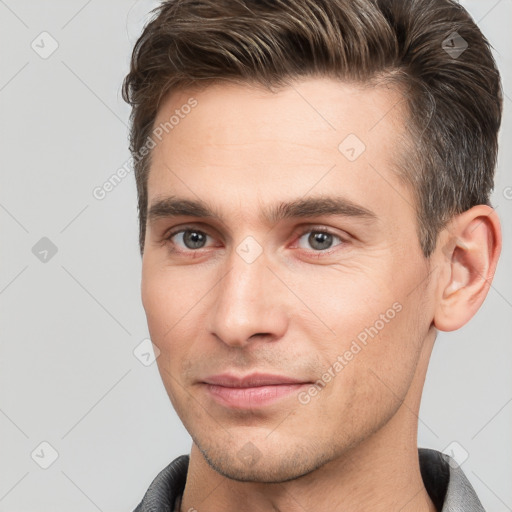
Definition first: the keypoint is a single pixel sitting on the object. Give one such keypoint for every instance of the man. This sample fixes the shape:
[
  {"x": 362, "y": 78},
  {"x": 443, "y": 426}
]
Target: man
[{"x": 313, "y": 181}]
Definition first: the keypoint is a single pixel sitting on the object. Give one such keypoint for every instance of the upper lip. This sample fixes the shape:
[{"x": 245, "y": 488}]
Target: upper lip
[{"x": 248, "y": 381}]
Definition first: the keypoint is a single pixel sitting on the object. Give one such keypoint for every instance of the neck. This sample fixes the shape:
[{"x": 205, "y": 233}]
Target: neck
[{"x": 380, "y": 474}]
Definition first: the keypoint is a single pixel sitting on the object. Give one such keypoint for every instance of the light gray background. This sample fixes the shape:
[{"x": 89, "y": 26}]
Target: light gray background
[{"x": 69, "y": 326}]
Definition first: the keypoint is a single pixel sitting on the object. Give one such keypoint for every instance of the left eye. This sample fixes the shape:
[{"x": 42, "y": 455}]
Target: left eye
[{"x": 318, "y": 240}]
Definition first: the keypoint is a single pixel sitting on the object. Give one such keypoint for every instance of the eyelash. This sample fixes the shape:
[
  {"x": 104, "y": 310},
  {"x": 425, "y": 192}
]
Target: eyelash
[{"x": 302, "y": 232}]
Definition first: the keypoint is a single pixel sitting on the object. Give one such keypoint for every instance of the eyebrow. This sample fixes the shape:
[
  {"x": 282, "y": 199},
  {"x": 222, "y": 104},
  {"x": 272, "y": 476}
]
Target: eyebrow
[{"x": 173, "y": 206}]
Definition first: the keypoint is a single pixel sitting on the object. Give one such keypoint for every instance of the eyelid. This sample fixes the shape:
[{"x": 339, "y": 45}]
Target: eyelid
[
  {"x": 318, "y": 228},
  {"x": 322, "y": 228},
  {"x": 197, "y": 226}
]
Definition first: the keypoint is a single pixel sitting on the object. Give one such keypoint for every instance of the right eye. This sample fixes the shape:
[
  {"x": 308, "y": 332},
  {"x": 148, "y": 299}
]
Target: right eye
[{"x": 188, "y": 239}]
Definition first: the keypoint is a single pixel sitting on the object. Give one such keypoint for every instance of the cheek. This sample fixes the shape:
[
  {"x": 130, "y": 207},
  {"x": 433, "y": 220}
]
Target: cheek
[
  {"x": 347, "y": 301},
  {"x": 375, "y": 333},
  {"x": 174, "y": 300},
  {"x": 169, "y": 297},
  {"x": 371, "y": 378},
  {"x": 389, "y": 353}
]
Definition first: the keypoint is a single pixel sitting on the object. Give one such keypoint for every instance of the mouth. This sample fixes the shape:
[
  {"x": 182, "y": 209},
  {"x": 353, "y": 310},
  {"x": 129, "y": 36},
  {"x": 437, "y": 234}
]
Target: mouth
[{"x": 251, "y": 391}]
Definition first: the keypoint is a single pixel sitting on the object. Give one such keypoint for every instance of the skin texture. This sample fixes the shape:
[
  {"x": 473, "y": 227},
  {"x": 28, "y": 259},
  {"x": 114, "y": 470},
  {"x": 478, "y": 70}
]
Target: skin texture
[{"x": 295, "y": 309}]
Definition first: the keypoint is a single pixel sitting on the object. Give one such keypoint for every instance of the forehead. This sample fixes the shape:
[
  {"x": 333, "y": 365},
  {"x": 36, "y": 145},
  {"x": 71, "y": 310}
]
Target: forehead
[{"x": 248, "y": 142}]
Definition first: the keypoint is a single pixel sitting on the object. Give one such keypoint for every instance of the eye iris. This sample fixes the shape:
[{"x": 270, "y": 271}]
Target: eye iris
[
  {"x": 194, "y": 239},
  {"x": 320, "y": 240}
]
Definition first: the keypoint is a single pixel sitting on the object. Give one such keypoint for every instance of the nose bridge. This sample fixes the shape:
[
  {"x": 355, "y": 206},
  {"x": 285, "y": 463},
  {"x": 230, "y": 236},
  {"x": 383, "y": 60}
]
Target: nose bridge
[{"x": 246, "y": 302}]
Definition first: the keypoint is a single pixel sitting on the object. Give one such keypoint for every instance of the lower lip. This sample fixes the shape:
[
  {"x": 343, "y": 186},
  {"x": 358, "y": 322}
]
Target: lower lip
[{"x": 249, "y": 398}]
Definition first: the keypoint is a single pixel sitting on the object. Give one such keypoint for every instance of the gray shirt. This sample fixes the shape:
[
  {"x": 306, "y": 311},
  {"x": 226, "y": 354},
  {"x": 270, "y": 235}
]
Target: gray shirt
[{"x": 444, "y": 480}]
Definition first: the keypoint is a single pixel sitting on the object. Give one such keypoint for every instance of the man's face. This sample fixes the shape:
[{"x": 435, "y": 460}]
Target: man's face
[{"x": 287, "y": 335}]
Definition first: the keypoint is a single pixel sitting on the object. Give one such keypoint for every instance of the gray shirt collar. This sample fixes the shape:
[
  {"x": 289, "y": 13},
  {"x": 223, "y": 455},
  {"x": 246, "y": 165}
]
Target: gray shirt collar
[{"x": 446, "y": 483}]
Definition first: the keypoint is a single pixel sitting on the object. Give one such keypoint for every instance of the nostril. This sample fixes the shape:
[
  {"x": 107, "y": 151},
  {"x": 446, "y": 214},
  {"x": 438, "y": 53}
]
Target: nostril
[{"x": 264, "y": 334}]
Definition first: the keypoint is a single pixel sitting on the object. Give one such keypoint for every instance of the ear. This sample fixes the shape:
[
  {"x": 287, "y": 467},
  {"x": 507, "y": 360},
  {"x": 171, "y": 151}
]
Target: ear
[{"x": 468, "y": 253}]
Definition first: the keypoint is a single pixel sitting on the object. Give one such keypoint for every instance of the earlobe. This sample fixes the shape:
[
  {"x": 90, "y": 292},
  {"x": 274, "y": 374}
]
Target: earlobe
[{"x": 468, "y": 254}]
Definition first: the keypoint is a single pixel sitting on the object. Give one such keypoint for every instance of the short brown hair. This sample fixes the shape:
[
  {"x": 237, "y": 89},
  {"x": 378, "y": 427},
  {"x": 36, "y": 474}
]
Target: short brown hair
[{"x": 430, "y": 48}]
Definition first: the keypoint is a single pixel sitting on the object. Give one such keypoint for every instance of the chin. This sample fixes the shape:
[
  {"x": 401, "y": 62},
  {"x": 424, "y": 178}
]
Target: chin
[{"x": 271, "y": 464}]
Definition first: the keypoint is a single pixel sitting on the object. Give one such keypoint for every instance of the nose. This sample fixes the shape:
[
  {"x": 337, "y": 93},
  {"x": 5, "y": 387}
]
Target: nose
[{"x": 248, "y": 304}]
